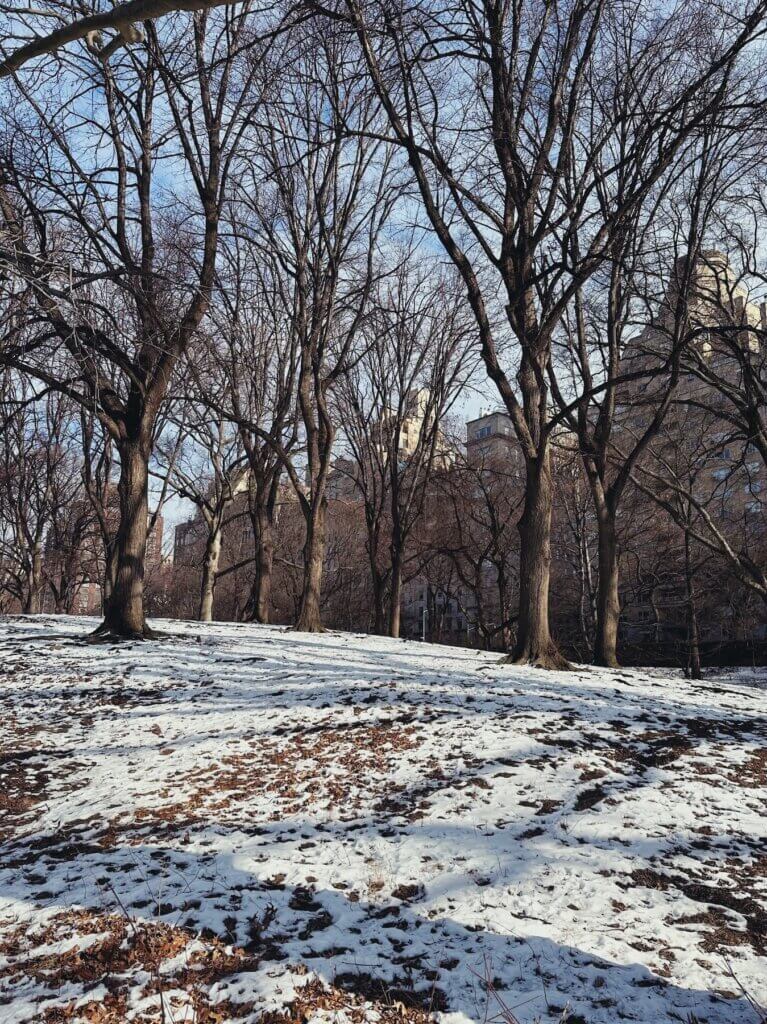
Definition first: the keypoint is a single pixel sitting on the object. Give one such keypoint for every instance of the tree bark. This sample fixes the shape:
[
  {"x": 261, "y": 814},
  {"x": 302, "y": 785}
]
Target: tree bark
[
  {"x": 209, "y": 570},
  {"x": 309, "y": 616},
  {"x": 503, "y": 608},
  {"x": 395, "y": 607},
  {"x": 693, "y": 634},
  {"x": 608, "y": 601},
  {"x": 124, "y": 608},
  {"x": 259, "y": 603},
  {"x": 263, "y": 602},
  {"x": 379, "y": 599},
  {"x": 535, "y": 645},
  {"x": 32, "y": 602},
  {"x": 264, "y": 564},
  {"x": 110, "y": 571}
]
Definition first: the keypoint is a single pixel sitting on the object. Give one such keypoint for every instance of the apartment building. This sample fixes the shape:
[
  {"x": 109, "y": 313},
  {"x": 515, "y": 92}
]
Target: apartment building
[
  {"x": 491, "y": 435},
  {"x": 716, "y": 471}
]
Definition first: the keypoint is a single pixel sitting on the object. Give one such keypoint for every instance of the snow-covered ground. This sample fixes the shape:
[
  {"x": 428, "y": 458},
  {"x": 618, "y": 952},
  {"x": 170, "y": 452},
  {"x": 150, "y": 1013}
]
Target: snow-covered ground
[{"x": 221, "y": 818}]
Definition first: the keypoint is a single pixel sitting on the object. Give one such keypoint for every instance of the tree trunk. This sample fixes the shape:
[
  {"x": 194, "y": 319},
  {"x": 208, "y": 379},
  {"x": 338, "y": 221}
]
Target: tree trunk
[
  {"x": 480, "y": 622},
  {"x": 124, "y": 610},
  {"x": 655, "y": 616},
  {"x": 378, "y": 583},
  {"x": 68, "y": 589},
  {"x": 693, "y": 634},
  {"x": 32, "y": 601},
  {"x": 395, "y": 607},
  {"x": 503, "y": 608},
  {"x": 379, "y": 605},
  {"x": 259, "y": 603},
  {"x": 608, "y": 601},
  {"x": 588, "y": 612},
  {"x": 110, "y": 572},
  {"x": 264, "y": 563},
  {"x": 309, "y": 617},
  {"x": 431, "y": 614},
  {"x": 209, "y": 570},
  {"x": 534, "y": 643}
]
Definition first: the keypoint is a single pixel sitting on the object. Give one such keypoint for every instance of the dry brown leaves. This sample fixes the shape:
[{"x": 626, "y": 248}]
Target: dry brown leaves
[
  {"x": 333, "y": 767},
  {"x": 753, "y": 773},
  {"x": 314, "y": 996},
  {"x": 111, "y": 950}
]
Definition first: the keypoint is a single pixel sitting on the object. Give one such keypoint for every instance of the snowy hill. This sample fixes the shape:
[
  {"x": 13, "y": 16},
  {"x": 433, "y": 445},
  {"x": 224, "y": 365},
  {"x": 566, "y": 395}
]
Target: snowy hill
[{"x": 226, "y": 818}]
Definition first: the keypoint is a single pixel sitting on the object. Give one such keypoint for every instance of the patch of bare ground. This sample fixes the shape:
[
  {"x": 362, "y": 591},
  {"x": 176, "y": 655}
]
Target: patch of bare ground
[
  {"x": 653, "y": 748},
  {"x": 334, "y": 767},
  {"x": 589, "y": 798},
  {"x": 413, "y": 802},
  {"x": 114, "y": 951},
  {"x": 22, "y": 788},
  {"x": 28, "y": 780},
  {"x": 354, "y": 996},
  {"x": 752, "y": 774},
  {"x": 724, "y": 932},
  {"x": 719, "y": 936},
  {"x": 22, "y": 782}
]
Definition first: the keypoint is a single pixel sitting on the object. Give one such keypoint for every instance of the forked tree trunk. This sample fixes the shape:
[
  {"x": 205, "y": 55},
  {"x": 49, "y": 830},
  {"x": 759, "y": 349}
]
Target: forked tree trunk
[
  {"x": 309, "y": 616},
  {"x": 535, "y": 645},
  {"x": 608, "y": 600},
  {"x": 124, "y": 608},
  {"x": 209, "y": 570}
]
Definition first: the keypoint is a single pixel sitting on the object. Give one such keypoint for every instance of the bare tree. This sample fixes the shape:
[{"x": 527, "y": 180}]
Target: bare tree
[
  {"x": 98, "y": 470},
  {"x": 624, "y": 339},
  {"x": 729, "y": 358},
  {"x": 72, "y": 543},
  {"x": 476, "y": 504},
  {"x": 495, "y": 110},
  {"x": 707, "y": 468},
  {"x": 256, "y": 353},
  {"x": 323, "y": 196},
  {"x": 39, "y": 482},
  {"x": 575, "y": 547},
  {"x": 708, "y": 483},
  {"x": 101, "y": 264},
  {"x": 696, "y": 476},
  {"x": 393, "y": 403},
  {"x": 202, "y": 460},
  {"x": 30, "y": 29}
]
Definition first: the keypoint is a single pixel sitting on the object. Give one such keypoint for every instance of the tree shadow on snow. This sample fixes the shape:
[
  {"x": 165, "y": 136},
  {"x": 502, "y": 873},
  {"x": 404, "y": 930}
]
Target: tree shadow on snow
[{"x": 384, "y": 949}]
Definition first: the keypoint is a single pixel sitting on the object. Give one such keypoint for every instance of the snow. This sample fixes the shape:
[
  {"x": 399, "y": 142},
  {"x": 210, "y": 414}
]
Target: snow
[{"x": 411, "y": 822}]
